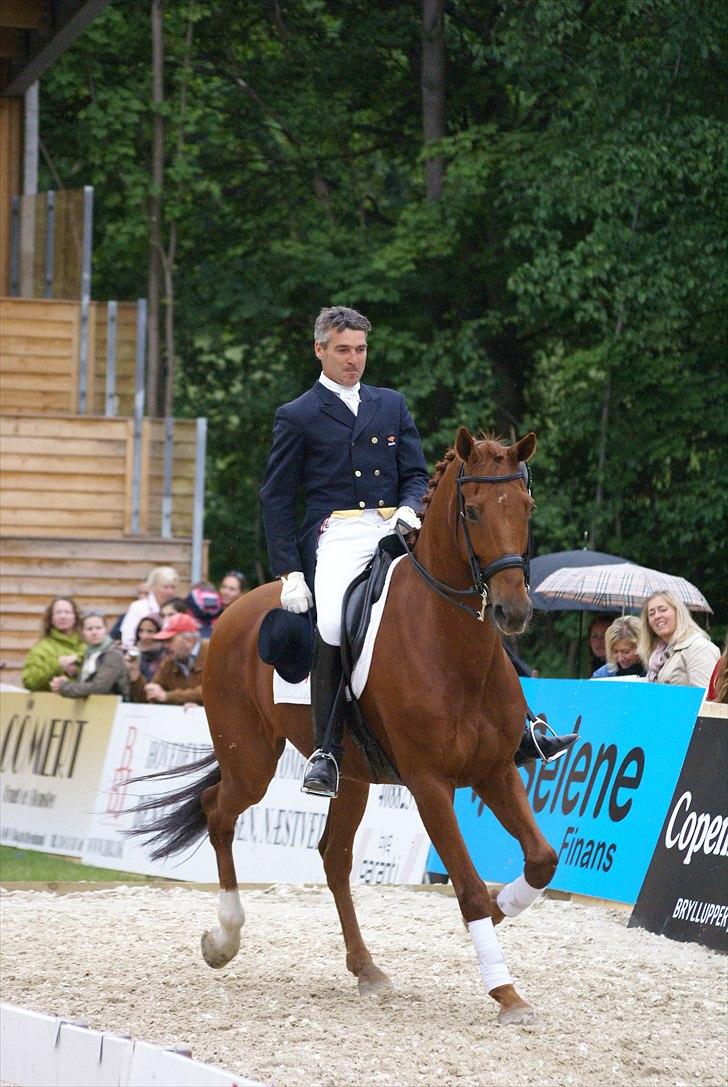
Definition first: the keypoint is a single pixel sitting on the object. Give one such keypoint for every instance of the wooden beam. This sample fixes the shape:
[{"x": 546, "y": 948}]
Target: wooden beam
[
  {"x": 71, "y": 17},
  {"x": 11, "y": 43},
  {"x": 23, "y": 14},
  {"x": 11, "y": 127}
]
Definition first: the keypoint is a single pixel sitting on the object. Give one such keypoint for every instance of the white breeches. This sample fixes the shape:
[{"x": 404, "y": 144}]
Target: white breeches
[{"x": 345, "y": 547}]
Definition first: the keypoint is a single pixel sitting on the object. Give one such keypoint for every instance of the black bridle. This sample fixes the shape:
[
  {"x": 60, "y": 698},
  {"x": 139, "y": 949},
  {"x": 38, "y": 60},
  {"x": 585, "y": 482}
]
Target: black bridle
[{"x": 480, "y": 575}]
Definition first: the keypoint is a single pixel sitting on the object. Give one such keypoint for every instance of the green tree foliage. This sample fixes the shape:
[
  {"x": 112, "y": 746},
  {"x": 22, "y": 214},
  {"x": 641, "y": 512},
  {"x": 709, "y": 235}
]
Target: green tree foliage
[{"x": 570, "y": 279}]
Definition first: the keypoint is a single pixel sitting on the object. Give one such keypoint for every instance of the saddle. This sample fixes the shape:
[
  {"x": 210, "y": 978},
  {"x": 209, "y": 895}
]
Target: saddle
[
  {"x": 285, "y": 639},
  {"x": 361, "y": 596}
]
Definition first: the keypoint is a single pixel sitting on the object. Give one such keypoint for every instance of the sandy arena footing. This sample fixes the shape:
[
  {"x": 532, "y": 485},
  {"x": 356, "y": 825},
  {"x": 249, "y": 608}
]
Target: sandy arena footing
[{"x": 615, "y": 1005}]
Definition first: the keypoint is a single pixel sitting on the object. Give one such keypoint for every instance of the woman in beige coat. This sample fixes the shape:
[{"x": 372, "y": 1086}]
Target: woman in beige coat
[{"x": 673, "y": 648}]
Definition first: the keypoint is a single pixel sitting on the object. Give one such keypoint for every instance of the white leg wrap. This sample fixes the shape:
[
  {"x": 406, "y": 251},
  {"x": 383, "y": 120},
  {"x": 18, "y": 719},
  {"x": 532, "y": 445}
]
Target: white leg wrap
[
  {"x": 230, "y": 911},
  {"x": 517, "y": 896},
  {"x": 224, "y": 939},
  {"x": 493, "y": 967}
]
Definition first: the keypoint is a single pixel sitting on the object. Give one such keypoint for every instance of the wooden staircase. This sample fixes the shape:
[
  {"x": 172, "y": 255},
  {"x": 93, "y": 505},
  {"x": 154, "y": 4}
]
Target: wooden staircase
[
  {"x": 98, "y": 573},
  {"x": 67, "y": 525}
]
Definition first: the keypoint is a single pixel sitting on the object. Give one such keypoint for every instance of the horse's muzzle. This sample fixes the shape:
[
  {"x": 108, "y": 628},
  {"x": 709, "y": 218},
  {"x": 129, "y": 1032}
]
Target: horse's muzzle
[{"x": 512, "y": 618}]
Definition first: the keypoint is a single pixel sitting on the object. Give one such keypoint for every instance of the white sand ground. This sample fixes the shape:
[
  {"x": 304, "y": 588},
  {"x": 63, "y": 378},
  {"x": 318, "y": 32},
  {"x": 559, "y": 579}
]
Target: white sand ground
[{"x": 615, "y": 1005}]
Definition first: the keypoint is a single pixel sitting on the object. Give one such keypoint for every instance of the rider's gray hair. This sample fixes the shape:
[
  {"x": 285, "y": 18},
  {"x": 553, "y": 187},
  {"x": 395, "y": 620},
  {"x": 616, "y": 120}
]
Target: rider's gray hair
[{"x": 337, "y": 318}]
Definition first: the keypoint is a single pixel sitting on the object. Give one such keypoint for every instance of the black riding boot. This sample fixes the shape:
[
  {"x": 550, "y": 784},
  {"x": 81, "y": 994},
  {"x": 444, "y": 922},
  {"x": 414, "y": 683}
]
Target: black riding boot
[
  {"x": 321, "y": 775},
  {"x": 552, "y": 747}
]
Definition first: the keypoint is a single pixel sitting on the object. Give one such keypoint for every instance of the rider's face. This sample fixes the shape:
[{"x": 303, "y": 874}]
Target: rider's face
[{"x": 344, "y": 356}]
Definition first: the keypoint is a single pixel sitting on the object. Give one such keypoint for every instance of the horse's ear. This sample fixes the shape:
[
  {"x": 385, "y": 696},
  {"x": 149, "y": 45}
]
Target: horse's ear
[
  {"x": 464, "y": 444},
  {"x": 526, "y": 447}
]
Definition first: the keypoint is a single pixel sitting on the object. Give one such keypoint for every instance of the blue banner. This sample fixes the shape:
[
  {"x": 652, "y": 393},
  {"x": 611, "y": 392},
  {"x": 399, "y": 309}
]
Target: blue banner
[{"x": 602, "y": 805}]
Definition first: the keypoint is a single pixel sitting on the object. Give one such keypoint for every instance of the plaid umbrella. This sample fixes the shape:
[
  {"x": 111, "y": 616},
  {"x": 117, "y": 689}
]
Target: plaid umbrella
[
  {"x": 543, "y": 565},
  {"x": 620, "y": 585}
]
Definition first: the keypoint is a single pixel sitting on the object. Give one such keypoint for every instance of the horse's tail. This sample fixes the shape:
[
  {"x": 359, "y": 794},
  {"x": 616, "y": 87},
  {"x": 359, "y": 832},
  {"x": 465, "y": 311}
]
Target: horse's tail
[{"x": 180, "y": 819}]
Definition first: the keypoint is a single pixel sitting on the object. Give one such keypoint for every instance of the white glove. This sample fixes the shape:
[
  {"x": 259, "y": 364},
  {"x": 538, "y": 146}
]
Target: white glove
[
  {"x": 408, "y": 515},
  {"x": 295, "y": 594}
]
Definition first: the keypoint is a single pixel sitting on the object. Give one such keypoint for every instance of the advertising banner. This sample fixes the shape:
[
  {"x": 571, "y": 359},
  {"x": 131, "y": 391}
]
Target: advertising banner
[
  {"x": 52, "y": 750},
  {"x": 601, "y": 806},
  {"x": 685, "y": 892},
  {"x": 276, "y": 840}
]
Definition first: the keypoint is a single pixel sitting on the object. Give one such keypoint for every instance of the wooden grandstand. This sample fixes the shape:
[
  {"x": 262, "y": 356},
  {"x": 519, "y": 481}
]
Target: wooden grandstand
[
  {"x": 66, "y": 479},
  {"x": 83, "y": 508}
]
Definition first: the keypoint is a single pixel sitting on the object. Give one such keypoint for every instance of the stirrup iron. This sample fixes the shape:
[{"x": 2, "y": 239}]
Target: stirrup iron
[
  {"x": 319, "y": 754},
  {"x": 537, "y": 745}
]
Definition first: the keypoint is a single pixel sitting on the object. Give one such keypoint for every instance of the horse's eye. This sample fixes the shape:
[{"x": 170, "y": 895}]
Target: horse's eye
[{"x": 472, "y": 513}]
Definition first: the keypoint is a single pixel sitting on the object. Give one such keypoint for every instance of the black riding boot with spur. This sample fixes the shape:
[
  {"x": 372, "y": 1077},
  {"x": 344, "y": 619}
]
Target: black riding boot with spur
[
  {"x": 321, "y": 775},
  {"x": 540, "y": 746}
]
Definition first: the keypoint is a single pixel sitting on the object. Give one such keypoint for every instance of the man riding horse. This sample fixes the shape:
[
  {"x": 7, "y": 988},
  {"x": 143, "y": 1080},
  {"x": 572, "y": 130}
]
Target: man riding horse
[{"x": 354, "y": 452}]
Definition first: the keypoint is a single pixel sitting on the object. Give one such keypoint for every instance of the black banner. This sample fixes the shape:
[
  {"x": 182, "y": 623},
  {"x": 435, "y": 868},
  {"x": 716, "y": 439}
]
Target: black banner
[{"x": 685, "y": 892}]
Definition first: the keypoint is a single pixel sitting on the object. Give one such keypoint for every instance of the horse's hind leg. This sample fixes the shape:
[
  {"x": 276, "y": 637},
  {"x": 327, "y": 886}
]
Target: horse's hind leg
[
  {"x": 505, "y": 795},
  {"x": 223, "y": 804},
  {"x": 335, "y": 847}
]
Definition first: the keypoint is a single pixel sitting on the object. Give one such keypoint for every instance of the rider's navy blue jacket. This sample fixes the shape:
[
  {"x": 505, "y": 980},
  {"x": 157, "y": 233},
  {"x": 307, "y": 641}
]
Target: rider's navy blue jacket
[{"x": 337, "y": 461}]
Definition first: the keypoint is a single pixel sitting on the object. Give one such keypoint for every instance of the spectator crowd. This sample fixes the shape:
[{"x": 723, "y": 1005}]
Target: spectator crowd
[{"x": 154, "y": 652}]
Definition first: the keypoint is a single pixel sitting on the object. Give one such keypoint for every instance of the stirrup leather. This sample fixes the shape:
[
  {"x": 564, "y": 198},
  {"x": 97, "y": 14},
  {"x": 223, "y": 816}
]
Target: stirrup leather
[
  {"x": 534, "y": 737},
  {"x": 319, "y": 754}
]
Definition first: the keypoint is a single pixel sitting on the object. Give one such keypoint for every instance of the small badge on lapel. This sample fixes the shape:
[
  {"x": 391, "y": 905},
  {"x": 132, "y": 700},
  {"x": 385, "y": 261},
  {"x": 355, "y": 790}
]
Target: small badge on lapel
[{"x": 391, "y": 439}]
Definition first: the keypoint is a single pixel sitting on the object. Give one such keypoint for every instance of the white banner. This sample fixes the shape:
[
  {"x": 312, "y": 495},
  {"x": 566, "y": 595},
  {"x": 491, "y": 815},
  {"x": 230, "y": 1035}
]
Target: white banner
[
  {"x": 275, "y": 841},
  {"x": 51, "y": 755}
]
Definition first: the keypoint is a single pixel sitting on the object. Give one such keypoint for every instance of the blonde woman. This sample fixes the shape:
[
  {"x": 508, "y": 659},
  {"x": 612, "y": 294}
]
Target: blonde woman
[
  {"x": 672, "y": 646},
  {"x": 621, "y": 640},
  {"x": 161, "y": 585}
]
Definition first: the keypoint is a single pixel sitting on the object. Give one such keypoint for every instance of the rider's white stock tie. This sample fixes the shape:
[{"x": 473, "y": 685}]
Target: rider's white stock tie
[
  {"x": 351, "y": 399},
  {"x": 492, "y": 964},
  {"x": 517, "y": 896}
]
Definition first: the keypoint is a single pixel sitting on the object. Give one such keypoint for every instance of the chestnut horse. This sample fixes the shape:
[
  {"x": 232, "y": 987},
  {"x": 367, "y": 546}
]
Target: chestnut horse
[{"x": 442, "y": 699}]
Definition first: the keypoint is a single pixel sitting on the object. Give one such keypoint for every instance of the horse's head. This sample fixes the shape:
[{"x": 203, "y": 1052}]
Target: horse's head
[{"x": 493, "y": 511}]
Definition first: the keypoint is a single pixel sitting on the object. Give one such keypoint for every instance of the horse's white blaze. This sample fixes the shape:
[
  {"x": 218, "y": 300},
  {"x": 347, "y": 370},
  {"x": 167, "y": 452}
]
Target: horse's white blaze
[
  {"x": 491, "y": 961},
  {"x": 517, "y": 896}
]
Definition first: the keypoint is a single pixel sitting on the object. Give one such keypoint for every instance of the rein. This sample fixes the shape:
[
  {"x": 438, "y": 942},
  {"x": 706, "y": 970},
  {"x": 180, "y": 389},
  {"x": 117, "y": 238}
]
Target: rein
[{"x": 479, "y": 575}]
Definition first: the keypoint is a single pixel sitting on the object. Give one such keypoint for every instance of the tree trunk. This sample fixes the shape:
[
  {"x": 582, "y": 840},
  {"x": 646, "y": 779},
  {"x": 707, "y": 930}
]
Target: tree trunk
[
  {"x": 601, "y": 455},
  {"x": 168, "y": 258},
  {"x": 169, "y": 353},
  {"x": 618, "y": 330},
  {"x": 154, "y": 374},
  {"x": 432, "y": 82}
]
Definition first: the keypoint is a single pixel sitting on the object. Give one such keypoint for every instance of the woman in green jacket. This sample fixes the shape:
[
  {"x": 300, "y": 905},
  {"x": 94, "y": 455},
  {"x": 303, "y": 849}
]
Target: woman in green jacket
[{"x": 59, "y": 651}]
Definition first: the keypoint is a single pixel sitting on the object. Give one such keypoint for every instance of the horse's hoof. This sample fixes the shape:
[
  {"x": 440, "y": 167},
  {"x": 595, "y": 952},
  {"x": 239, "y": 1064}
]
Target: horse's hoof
[
  {"x": 215, "y": 955},
  {"x": 517, "y": 1015},
  {"x": 375, "y": 983}
]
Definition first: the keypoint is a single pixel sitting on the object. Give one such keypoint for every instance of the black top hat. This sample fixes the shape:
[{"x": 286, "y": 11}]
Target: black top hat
[{"x": 285, "y": 640}]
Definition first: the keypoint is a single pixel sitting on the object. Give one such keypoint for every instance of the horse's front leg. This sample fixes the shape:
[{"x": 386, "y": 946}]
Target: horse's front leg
[
  {"x": 335, "y": 847},
  {"x": 435, "y": 803},
  {"x": 505, "y": 795}
]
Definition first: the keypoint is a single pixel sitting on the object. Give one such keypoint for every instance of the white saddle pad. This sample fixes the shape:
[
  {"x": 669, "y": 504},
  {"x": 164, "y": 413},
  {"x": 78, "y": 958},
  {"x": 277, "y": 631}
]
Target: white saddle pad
[{"x": 300, "y": 693}]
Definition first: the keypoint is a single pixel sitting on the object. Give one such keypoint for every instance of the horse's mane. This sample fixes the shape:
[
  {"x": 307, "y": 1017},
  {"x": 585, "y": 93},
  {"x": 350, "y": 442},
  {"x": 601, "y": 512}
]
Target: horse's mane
[
  {"x": 447, "y": 459},
  {"x": 435, "y": 479}
]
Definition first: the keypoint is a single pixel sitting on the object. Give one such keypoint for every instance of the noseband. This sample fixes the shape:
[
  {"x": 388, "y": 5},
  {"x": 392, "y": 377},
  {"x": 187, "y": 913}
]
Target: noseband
[{"x": 480, "y": 575}]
